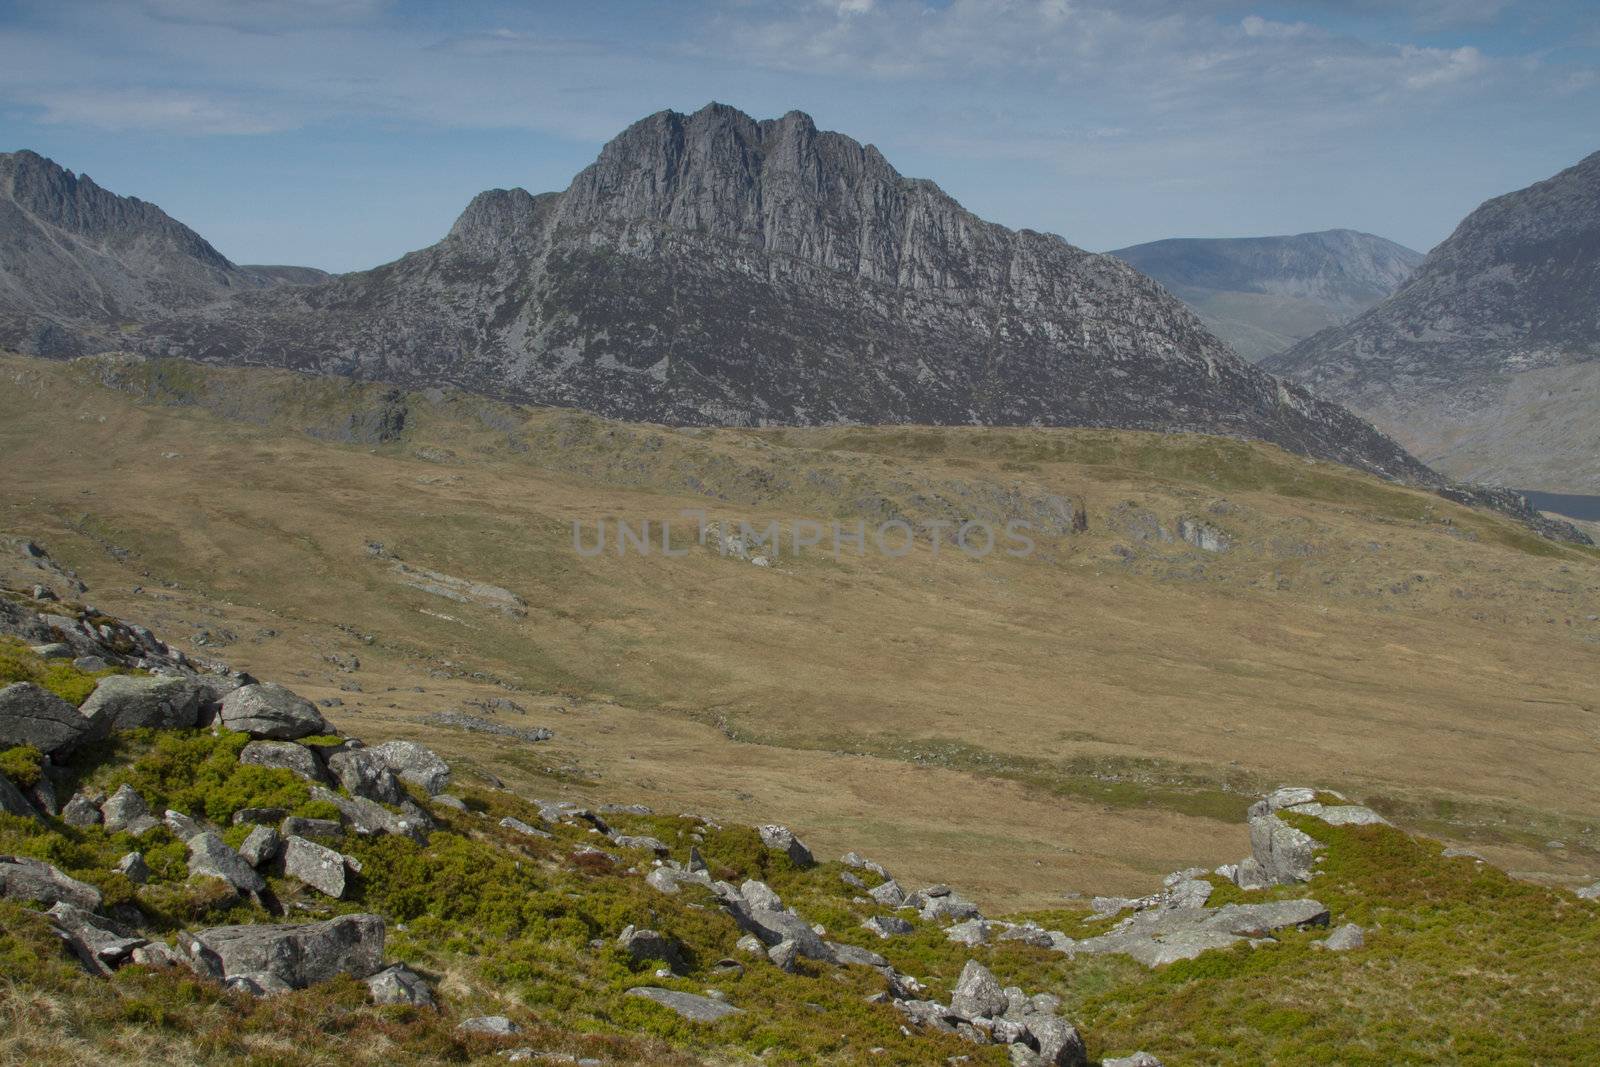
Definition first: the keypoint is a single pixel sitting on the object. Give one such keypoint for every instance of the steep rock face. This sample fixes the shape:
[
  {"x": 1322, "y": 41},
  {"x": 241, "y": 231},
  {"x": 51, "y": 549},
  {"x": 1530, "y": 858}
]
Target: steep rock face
[
  {"x": 1488, "y": 359},
  {"x": 78, "y": 263},
  {"x": 710, "y": 268},
  {"x": 1262, "y": 294}
]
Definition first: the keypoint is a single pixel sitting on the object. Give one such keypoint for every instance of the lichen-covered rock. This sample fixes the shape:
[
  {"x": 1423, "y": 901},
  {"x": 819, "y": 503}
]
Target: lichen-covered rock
[
  {"x": 271, "y": 712},
  {"x": 13, "y": 802},
  {"x": 33, "y": 716},
  {"x": 211, "y": 857},
  {"x": 690, "y": 1006},
  {"x": 645, "y": 945},
  {"x": 782, "y": 839},
  {"x": 299, "y": 955},
  {"x": 399, "y": 984},
  {"x": 83, "y": 810},
  {"x": 37, "y": 882},
  {"x": 977, "y": 994},
  {"x": 261, "y": 845},
  {"x": 415, "y": 765},
  {"x": 363, "y": 773},
  {"x": 1285, "y": 854},
  {"x": 133, "y": 867},
  {"x": 100, "y": 945},
  {"x": 129, "y": 702},
  {"x": 286, "y": 755},
  {"x": 316, "y": 865},
  {"x": 126, "y": 811},
  {"x": 1347, "y": 937}
]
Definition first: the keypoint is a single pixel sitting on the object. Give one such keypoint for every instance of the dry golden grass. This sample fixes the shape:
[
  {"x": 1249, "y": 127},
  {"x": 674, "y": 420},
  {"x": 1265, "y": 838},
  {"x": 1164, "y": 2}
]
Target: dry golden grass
[{"x": 1069, "y": 722}]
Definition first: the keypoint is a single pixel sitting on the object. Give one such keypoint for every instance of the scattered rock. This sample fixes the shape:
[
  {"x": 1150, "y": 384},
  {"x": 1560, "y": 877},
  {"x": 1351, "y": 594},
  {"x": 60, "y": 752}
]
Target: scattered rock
[
  {"x": 1347, "y": 937},
  {"x": 125, "y": 811},
  {"x": 689, "y": 1005},
  {"x": 82, "y": 810},
  {"x": 415, "y": 764},
  {"x": 368, "y": 817},
  {"x": 645, "y": 945},
  {"x": 1138, "y": 1059},
  {"x": 271, "y": 712},
  {"x": 1589, "y": 892},
  {"x": 518, "y": 826},
  {"x": 887, "y": 926},
  {"x": 316, "y": 865},
  {"x": 399, "y": 984},
  {"x": 1284, "y": 853},
  {"x": 261, "y": 845},
  {"x": 134, "y": 868},
  {"x": 363, "y": 773},
  {"x": 492, "y": 1025},
  {"x": 257, "y": 984},
  {"x": 210, "y": 856},
  {"x": 889, "y": 894},
  {"x": 783, "y": 840},
  {"x": 12, "y": 802},
  {"x": 98, "y": 943},
  {"x": 183, "y": 826},
  {"x": 977, "y": 993},
  {"x": 295, "y": 826},
  {"x": 286, "y": 755}
]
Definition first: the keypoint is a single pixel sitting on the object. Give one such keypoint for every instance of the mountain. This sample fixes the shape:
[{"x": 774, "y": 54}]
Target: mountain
[
  {"x": 1262, "y": 294},
  {"x": 713, "y": 269},
  {"x": 1487, "y": 360},
  {"x": 78, "y": 264}
]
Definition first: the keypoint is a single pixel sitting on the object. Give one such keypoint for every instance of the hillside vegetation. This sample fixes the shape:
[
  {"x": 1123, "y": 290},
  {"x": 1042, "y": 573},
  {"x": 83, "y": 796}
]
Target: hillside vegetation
[{"x": 1081, "y": 720}]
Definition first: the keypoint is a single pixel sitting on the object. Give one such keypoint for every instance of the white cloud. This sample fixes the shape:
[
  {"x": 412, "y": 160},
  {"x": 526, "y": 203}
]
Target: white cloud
[
  {"x": 156, "y": 109},
  {"x": 1433, "y": 67}
]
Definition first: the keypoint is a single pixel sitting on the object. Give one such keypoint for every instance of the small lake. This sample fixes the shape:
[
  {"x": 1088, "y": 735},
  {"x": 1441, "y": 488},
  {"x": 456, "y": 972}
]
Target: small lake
[{"x": 1572, "y": 505}]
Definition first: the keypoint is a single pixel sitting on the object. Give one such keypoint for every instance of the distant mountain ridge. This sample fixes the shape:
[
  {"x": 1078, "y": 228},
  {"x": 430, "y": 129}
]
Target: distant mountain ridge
[
  {"x": 1262, "y": 294},
  {"x": 713, "y": 269},
  {"x": 1488, "y": 359},
  {"x": 79, "y": 263}
]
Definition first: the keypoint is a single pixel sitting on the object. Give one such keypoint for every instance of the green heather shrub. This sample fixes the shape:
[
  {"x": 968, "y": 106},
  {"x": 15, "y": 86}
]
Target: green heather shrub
[
  {"x": 199, "y": 774},
  {"x": 19, "y": 663},
  {"x": 22, "y": 764}
]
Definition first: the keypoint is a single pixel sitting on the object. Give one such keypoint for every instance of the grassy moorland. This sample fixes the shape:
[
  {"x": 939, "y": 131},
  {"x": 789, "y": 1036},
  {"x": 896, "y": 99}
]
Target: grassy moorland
[{"x": 1082, "y": 720}]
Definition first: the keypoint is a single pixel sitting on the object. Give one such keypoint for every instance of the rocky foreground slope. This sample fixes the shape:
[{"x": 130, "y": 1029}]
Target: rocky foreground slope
[
  {"x": 1485, "y": 359},
  {"x": 80, "y": 264},
  {"x": 1262, "y": 294},
  {"x": 713, "y": 269},
  {"x": 166, "y": 818}
]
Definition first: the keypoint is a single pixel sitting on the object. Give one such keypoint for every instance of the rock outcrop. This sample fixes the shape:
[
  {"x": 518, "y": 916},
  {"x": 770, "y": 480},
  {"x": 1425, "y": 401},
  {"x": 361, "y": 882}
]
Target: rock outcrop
[{"x": 713, "y": 269}]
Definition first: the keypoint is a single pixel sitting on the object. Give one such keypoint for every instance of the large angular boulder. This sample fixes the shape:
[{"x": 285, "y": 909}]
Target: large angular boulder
[
  {"x": 125, "y": 811},
  {"x": 297, "y": 954},
  {"x": 83, "y": 810},
  {"x": 316, "y": 865},
  {"x": 128, "y": 702},
  {"x": 415, "y": 765},
  {"x": 34, "y": 881},
  {"x": 33, "y": 716},
  {"x": 1285, "y": 854},
  {"x": 271, "y": 712},
  {"x": 363, "y": 773},
  {"x": 298, "y": 759},
  {"x": 978, "y": 994},
  {"x": 645, "y": 945},
  {"x": 260, "y": 846},
  {"x": 1059, "y": 1043},
  {"x": 210, "y": 856}
]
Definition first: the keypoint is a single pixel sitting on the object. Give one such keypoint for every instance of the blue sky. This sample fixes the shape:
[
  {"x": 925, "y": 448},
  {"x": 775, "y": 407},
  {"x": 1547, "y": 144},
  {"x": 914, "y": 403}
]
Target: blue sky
[{"x": 343, "y": 133}]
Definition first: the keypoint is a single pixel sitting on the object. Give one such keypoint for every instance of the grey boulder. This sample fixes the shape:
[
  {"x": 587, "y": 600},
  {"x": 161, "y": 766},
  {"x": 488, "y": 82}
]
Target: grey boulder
[
  {"x": 37, "y": 882},
  {"x": 211, "y": 857},
  {"x": 399, "y": 984},
  {"x": 82, "y": 810},
  {"x": 1347, "y": 937},
  {"x": 316, "y": 865},
  {"x": 1285, "y": 854},
  {"x": 272, "y": 712},
  {"x": 644, "y": 945},
  {"x": 977, "y": 994},
  {"x": 100, "y": 945},
  {"x": 12, "y": 802},
  {"x": 128, "y": 702},
  {"x": 781, "y": 839},
  {"x": 415, "y": 765},
  {"x": 364, "y": 774},
  {"x": 33, "y": 716},
  {"x": 261, "y": 845},
  {"x": 297, "y": 954},
  {"x": 297, "y": 759},
  {"x": 690, "y": 1006},
  {"x": 134, "y": 868},
  {"x": 492, "y": 1025},
  {"x": 126, "y": 811}
]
